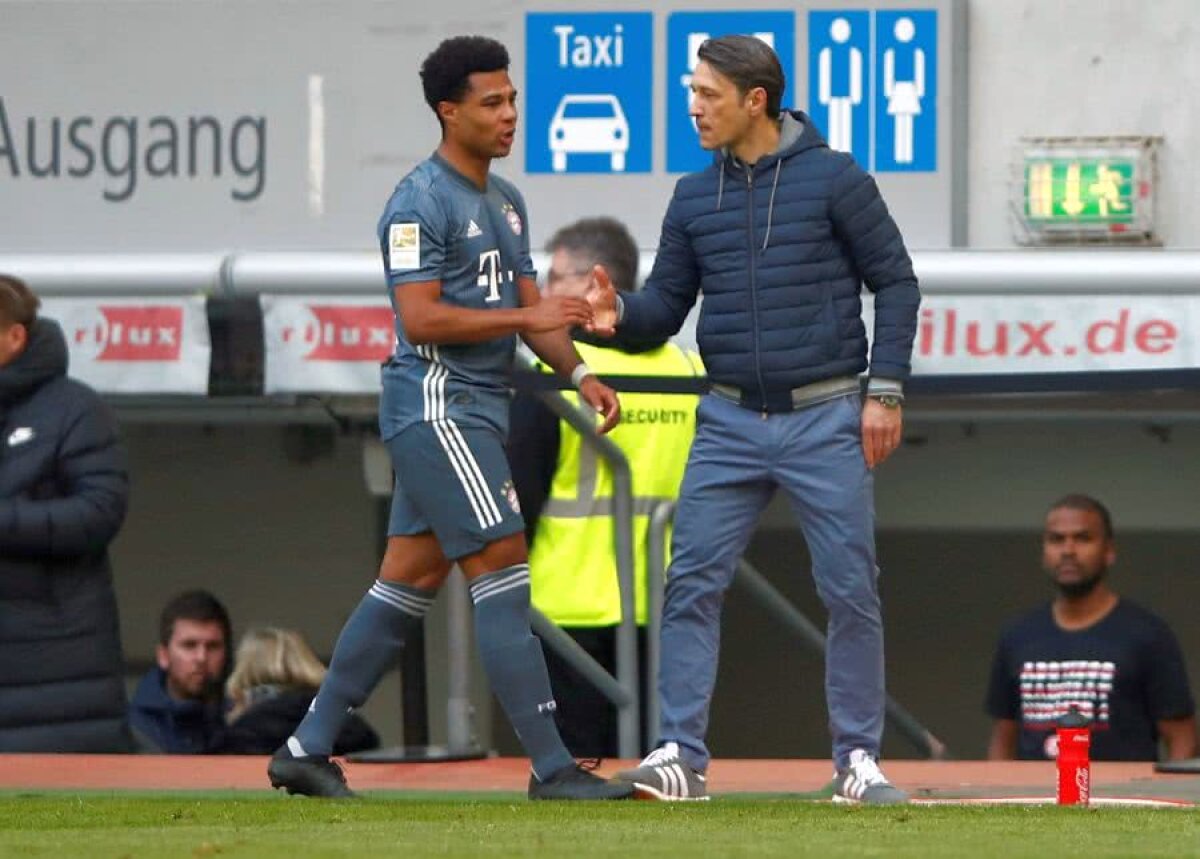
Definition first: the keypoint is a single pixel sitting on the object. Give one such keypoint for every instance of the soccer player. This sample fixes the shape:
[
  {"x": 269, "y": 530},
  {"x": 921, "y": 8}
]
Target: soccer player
[{"x": 455, "y": 243}]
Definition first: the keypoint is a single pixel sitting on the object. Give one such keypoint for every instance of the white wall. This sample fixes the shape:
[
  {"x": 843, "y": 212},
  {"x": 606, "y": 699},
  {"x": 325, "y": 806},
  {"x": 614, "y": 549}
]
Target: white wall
[
  {"x": 1036, "y": 67},
  {"x": 1064, "y": 67}
]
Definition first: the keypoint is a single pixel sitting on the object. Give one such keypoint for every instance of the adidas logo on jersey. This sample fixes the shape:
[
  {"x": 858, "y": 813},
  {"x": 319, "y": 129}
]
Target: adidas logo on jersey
[{"x": 473, "y": 230}]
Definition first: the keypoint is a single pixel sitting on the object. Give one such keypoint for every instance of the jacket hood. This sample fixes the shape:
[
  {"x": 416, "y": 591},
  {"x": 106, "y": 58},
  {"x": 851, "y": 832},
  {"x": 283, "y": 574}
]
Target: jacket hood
[
  {"x": 44, "y": 359},
  {"x": 797, "y": 133}
]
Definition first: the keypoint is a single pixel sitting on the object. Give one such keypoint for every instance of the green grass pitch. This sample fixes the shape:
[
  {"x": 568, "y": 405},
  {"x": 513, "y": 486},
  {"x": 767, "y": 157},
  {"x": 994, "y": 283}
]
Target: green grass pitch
[{"x": 201, "y": 825}]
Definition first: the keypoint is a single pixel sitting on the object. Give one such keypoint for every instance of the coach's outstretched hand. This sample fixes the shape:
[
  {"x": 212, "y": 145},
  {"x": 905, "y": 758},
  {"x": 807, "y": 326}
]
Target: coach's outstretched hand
[
  {"x": 603, "y": 298},
  {"x": 603, "y": 399}
]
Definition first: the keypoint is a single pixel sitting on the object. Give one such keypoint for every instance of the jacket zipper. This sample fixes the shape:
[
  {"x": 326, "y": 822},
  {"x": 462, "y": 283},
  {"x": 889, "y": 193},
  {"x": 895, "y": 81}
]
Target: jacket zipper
[{"x": 762, "y": 388}]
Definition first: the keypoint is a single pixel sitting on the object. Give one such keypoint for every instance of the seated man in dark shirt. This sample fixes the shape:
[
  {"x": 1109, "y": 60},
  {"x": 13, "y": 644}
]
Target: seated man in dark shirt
[
  {"x": 179, "y": 706},
  {"x": 1091, "y": 649}
]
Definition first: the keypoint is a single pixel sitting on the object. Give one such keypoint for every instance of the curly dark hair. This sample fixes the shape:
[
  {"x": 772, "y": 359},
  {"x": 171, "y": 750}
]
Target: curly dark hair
[{"x": 445, "y": 72}]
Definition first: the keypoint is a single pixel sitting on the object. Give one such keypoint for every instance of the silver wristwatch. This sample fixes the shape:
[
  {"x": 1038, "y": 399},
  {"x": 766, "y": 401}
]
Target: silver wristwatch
[{"x": 888, "y": 401}]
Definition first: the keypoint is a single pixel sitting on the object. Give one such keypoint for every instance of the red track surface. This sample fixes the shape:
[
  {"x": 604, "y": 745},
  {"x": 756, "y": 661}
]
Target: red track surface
[{"x": 921, "y": 778}]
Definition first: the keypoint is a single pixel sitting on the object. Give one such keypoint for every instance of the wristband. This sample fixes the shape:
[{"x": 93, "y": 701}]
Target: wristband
[{"x": 578, "y": 374}]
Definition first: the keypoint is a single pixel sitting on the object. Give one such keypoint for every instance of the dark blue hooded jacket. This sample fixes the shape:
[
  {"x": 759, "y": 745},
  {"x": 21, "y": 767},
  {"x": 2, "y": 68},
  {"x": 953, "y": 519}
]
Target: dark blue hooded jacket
[
  {"x": 163, "y": 724},
  {"x": 780, "y": 251},
  {"x": 63, "y": 494}
]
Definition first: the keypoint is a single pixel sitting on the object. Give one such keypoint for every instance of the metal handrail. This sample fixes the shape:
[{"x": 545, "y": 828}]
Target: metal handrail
[
  {"x": 779, "y": 606},
  {"x": 768, "y": 596},
  {"x": 460, "y": 733},
  {"x": 965, "y": 271},
  {"x": 149, "y": 274},
  {"x": 661, "y": 516},
  {"x": 574, "y": 655},
  {"x": 629, "y": 713}
]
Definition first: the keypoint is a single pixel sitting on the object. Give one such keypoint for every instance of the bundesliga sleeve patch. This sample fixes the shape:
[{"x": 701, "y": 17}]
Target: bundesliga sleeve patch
[{"x": 404, "y": 247}]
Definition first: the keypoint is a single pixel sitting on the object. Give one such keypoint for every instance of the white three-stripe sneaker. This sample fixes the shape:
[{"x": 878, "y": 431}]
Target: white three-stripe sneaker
[
  {"x": 664, "y": 775},
  {"x": 863, "y": 781}
]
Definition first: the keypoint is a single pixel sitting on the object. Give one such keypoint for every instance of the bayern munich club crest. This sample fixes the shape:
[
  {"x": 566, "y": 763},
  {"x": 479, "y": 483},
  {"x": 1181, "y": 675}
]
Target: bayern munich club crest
[
  {"x": 514, "y": 220},
  {"x": 510, "y": 495}
]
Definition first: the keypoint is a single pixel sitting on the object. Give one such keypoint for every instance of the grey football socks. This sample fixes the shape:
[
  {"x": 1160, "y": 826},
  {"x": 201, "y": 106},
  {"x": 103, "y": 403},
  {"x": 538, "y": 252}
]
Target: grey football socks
[
  {"x": 369, "y": 644},
  {"x": 516, "y": 666}
]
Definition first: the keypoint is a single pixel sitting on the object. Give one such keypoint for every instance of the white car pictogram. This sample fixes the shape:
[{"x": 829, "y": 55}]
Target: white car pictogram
[{"x": 589, "y": 124}]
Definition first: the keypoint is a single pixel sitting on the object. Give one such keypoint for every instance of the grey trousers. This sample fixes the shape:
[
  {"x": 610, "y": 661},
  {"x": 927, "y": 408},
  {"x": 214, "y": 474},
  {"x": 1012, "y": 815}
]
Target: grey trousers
[{"x": 738, "y": 460}]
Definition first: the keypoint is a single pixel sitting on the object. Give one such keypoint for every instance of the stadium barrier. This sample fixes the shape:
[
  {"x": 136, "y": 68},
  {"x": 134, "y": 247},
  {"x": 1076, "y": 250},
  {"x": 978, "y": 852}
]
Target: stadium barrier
[{"x": 299, "y": 336}]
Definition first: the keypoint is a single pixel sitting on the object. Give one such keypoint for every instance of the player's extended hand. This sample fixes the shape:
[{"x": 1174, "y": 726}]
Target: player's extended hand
[
  {"x": 603, "y": 399},
  {"x": 881, "y": 429},
  {"x": 603, "y": 298},
  {"x": 557, "y": 311}
]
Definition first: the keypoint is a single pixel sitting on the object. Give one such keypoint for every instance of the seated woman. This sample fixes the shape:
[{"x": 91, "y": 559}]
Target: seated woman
[{"x": 275, "y": 676}]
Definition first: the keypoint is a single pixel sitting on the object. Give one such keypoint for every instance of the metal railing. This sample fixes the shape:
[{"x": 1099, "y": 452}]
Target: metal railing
[
  {"x": 959, "y": 272},
  {"x": 624, "y": 691},
  {"x": 782, "y": 610},
  {"x": 629, "y": 703},
  {"x": 656, "y": 584}
]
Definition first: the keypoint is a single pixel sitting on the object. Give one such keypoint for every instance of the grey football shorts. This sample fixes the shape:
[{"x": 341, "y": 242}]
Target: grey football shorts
[{"x": 455, "y": 481}]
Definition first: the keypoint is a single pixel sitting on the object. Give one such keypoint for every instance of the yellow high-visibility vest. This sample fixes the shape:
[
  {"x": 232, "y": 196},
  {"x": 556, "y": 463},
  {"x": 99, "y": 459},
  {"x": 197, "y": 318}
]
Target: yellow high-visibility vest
[{"x": 573, "y": 568}]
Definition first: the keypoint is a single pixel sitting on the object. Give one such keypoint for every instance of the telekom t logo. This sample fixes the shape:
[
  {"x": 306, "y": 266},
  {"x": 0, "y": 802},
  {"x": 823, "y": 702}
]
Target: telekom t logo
[{"x": 489, "y": 274}]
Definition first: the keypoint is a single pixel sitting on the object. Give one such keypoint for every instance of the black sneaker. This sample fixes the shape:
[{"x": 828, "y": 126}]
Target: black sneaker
[
  {"x": 312, "y": 775},
  {"x": 577, "y": 781}
]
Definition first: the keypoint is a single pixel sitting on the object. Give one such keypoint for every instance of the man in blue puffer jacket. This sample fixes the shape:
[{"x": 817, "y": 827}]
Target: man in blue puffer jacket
[{"x": 780, "y": 234}]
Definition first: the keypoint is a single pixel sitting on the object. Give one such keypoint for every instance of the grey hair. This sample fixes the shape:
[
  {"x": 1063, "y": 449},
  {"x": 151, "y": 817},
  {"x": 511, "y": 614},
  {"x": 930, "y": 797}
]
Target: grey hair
[{"x": 605, "y": 241}]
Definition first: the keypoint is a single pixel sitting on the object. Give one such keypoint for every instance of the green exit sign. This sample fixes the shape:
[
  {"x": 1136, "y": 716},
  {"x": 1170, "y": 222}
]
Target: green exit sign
[
  {"x": 1085, "y": 190},
  {"x": 1081, "y": 191}
]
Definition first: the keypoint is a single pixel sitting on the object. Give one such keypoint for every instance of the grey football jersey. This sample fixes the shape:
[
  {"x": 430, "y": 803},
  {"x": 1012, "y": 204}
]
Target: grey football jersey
[{"x": 438, "y": 225}]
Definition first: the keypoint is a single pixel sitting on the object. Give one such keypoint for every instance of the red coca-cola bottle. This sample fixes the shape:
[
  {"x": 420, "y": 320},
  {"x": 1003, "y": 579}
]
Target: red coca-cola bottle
[{"x": 1074, "y": 762}]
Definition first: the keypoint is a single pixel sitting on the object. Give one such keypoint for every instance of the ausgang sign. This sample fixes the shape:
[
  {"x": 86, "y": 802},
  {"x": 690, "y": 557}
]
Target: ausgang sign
[
  {"x": 117, "y": 156},
  {"x": 144, "y": 126}
]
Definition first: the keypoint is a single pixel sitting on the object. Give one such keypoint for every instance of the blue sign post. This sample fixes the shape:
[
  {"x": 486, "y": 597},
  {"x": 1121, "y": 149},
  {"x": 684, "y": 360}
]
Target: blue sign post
[
  {"x": 686, "y": 31},
  {"x": 872, "y": 85},
  {"x": 839, "y": 80},
  {"x": 906, "y": 82},
  {"x": 589, "y": 86}
]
